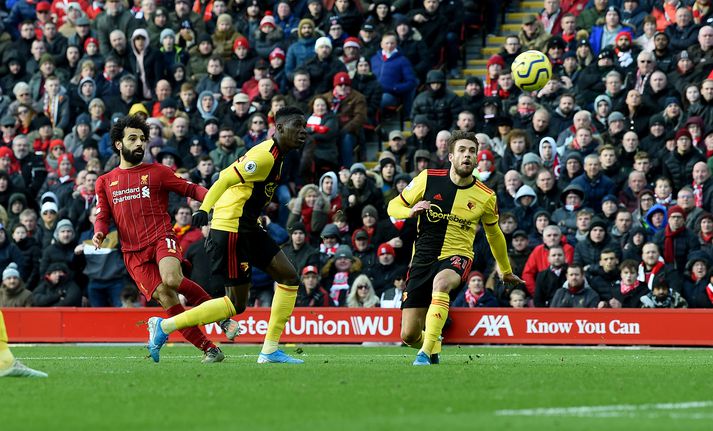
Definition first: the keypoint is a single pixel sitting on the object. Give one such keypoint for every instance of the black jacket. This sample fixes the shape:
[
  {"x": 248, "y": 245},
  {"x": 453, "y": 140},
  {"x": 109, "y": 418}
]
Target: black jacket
[
  {"x": 679, "y": 167},
  {"x": 546, "y": 285},
  {"x": 683, "y": 244}
]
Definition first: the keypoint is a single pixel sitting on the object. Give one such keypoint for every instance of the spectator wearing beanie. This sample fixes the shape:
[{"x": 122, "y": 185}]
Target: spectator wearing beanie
[
  {"x": 488, "y": 174},
  {"x": 302, "y": 49},
  {"x": 224, "y": 36},
  {"x": 13, "y": 292},
  {"x": 440, "y": 105},
  {"x": 339, "y": 274},
  {"x": 183, "y": 15},
  {"x": 242, "y": 61},
  {"x": 57, "y": 289},
  {"x": 678, "y": 165},
  {"x": 474, "y": 294},
  {"x": 299, "y": 249},
  {"x": 62, "y": 250},
  {"x": 277, "y": 67},
  {"x": 350, "y": 107},
  {"x": 413, "y": 47},
  {"x": 532, "y": 33},
  {"x": 323, "y": 66},
  {"x": 361, "y": 191},
  {"x": 386, "y": 270},
  {"x": 267, "y": 36},
  {"x": 676, "y": 241}
]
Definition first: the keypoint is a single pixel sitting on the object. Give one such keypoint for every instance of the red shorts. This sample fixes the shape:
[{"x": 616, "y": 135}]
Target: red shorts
[{"x": 143, "y": 264}]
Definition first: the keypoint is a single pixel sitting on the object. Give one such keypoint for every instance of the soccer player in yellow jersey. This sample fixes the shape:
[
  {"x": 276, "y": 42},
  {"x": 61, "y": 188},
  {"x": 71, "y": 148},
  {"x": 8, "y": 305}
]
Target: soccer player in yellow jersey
[
  {"x": 449, "y": 203},
  {"x": 9, "y": 366},
  {"x": 237, "y": 241}
]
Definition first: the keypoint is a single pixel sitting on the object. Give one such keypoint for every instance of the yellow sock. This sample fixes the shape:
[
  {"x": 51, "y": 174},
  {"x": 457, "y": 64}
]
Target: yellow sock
[
  {"x": 207, "y": 312},
  {"x": 435, "y": 319},
  {"x": 6, "y": 358},
  {"x": 437, "y": 347},
  {"x": 282, "y": 305}
]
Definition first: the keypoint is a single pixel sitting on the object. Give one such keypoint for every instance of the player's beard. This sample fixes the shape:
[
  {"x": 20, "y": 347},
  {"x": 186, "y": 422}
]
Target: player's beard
[
  {"x": 134, "y": 157},
  {"x": 465, "y": 172}
]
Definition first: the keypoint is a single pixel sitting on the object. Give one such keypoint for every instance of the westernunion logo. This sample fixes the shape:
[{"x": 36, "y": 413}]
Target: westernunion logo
[{"x": 435, "y": 214}]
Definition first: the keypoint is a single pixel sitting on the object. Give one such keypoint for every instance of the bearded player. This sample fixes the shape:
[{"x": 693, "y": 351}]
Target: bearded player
[
  {"x": 135, "y": 196},
  {"x": 449, "y": 204}
]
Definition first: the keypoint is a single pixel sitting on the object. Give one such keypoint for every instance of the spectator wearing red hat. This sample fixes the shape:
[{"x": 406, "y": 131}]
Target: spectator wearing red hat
[
  {"x": 475, "y": 294},
  {"x": 494, "y": 68},
  {"x": 386, "y": 270},
  {"x": 350, "y": 57},
  {"x": 267, "y": 37},
  {"x": 242, "y": 61},
  {"x": 350, "y": 107},
  {"x": 676, "y": 240},
  {"x": 277, "y": 67},
  {"x": 678, "y": 165},
  {"x": 310, "y": 293},
  {"x": 488, "y": 174}
]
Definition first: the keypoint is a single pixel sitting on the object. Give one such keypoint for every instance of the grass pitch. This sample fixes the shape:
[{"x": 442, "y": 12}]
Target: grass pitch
[{"x": 361, "y": 388}]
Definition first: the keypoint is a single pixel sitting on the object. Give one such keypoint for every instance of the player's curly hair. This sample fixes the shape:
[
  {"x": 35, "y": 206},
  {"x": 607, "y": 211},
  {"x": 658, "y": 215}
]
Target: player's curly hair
[
  {"x": 457, "y": 135},
  {"x": 134, "y": 122},
  {"x": 285, "y": 113}
]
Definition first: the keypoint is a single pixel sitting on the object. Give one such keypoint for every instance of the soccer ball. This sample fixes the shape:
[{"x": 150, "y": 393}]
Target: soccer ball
[{"x": 531, "y": 70}]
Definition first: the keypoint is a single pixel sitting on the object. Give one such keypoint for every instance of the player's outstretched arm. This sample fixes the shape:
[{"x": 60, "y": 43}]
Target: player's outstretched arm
[{"x": 103, "y": 214}]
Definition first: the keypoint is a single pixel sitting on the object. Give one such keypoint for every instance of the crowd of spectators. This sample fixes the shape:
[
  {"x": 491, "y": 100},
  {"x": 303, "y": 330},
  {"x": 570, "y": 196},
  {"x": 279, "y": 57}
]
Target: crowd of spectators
[{"x": 603, "y": 177}]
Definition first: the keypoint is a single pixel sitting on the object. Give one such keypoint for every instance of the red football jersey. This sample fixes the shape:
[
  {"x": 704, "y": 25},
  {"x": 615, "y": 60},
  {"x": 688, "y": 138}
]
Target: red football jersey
[{"x": 137, "y": 200}]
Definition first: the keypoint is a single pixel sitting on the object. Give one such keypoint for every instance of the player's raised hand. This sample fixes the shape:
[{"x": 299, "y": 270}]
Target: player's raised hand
[
  {"x": 512, "y": 279},
  {"x": 200, "y": 219},
  {"x": 420, "y": 207},
  {"x": 98, "y": 239}
]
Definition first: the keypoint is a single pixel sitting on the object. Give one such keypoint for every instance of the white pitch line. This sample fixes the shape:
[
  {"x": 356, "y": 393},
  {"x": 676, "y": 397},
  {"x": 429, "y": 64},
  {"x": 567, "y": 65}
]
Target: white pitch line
[
  {"x": 228, "y": 354},
  {"x": 604, "y": 411}
]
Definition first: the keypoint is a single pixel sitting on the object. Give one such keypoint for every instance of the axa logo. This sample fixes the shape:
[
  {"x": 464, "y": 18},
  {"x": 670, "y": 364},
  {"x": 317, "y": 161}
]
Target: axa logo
[{"x": 491, "y": 326}]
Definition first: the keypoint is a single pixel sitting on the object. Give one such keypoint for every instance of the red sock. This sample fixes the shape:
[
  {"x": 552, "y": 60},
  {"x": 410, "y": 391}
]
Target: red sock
[
  {"x": 195, "y": 294},
  {"x": 193, "y": 334}
]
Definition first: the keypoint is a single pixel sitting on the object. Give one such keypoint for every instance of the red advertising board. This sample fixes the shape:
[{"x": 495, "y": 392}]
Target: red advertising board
[{"x": 343, "y": 325}]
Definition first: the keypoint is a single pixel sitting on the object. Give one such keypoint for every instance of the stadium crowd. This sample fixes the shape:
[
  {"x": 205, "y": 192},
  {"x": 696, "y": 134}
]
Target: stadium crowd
[{"x": 603, "y": 177}]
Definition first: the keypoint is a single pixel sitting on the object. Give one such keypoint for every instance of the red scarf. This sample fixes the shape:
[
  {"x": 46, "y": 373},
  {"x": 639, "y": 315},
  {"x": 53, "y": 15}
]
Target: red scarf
[
  {"x": 707, "y": 238},
  {"x": 626, "y": 289},
  {"x": 307, "y": 218},
  {"x": 698, "y": 194},
  {"x": 669, "y": 254},
  {"x": 709, "y": 292},
  {"x": 648, "y": 277},
  {"x": 471, "y": 298},
  {"x": 574, "y": 290}
]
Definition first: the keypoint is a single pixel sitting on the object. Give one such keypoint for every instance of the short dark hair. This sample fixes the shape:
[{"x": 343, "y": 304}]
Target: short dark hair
[
  {"x": 286, "y": 113},
  {"x": 660, "y": 281},
  {"x": 117, "y": 130},
  {"x": 608, "y": 250},
  {"x": 576, "y": 265},
  {"x": 458, "y": 135}
]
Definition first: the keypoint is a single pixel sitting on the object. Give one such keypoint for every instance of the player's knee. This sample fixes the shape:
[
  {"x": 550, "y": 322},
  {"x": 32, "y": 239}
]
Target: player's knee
[
  {"x": 409, "y": 337},
  {"x": 442, "y": 285},
  {"x": 172, "y": 280}
]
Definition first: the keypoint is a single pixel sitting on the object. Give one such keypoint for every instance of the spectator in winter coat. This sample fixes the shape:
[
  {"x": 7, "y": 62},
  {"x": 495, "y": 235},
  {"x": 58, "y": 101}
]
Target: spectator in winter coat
[
  {"x": 676, "y": 240},
  {"x": 679, "y": 164},
  {"x": 350, "y": 108},
  {"x": 395, "y": 74},
  {"x": 384, "y": 273},
  {"x": 537, "y": 261},
  {"x": 440, "y": 105},
  {"x": 365, "y": 82},
  {"x": 575, "y": 292},
  {"x": 698, "y": 288},
  {"x": 309, "y": 208},
  {"x": 552, "y": 278},
  {"x": 630, "y": 289},
  {"x": 595, "y": 184},
  {"x": 587, "y": 251},
  {"x": 323, "y": 66},
  {"x": 525, "y": 207},
  {"x": 474, "y": 294},
  {"x": 310, "y": 292},
  {"x": 9, "y": 252},
  {"x": 662, "y": 296},
  {"x": 13, "y": 292},
  {"x": 604, "y": 276},
  {"x": 57, "y": 288},
  {"x": 302, "y": 49}
]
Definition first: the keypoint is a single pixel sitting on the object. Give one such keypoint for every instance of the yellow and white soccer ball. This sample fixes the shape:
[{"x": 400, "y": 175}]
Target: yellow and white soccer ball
[{"x": 531, "y": 70}]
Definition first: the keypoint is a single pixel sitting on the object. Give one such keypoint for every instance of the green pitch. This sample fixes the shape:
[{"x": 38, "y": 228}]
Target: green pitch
[{"x": 361, "y": 388}]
